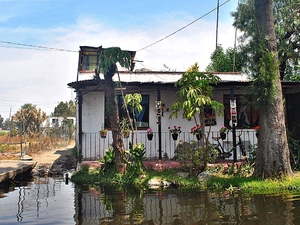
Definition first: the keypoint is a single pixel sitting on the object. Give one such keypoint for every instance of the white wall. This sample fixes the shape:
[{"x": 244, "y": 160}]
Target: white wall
[
  {"x": 92, "y": 112},
  {"x": 168, "y": 98},
  {"x": 93, "y": 119}
]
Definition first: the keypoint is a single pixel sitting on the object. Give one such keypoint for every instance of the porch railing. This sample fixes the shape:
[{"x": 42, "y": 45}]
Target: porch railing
[{"x": 94, "y": 147}]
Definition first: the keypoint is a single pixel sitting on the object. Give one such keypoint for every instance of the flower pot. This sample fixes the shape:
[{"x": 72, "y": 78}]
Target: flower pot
[
  {"x": 198, "y": 136},
  {"x": 175, "y": 136},
  {"x": 103, "y": 134},
  {"x": 149, "y": 136},
  {"x": 126, "y": 134},
  {"x": 223, "y": 136}
]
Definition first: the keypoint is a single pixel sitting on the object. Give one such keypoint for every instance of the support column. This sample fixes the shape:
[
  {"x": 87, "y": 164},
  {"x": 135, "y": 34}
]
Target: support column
[
  {"x": 234, "y": 121},
  {"x": 79, "y": 127},
  {"x": 159, "y": 114}
]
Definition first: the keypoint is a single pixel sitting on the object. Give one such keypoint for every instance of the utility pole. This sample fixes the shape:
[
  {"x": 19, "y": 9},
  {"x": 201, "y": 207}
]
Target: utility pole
[{"x": 217, "y": 25}]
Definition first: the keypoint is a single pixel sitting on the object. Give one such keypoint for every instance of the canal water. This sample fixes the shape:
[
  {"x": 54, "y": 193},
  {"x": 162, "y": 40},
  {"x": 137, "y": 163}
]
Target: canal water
[{"x": 53, "y": 201}]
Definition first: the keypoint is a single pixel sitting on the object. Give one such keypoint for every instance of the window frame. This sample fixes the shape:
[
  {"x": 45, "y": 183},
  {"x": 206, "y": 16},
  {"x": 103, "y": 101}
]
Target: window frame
[{"x": 144, "y": 123}]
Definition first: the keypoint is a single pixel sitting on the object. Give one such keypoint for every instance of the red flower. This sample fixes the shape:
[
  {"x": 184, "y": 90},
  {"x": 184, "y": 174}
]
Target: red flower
[
  {"x": 256, "y": 128},
  {"x": 196, "y": 129},
  {"x": 175, "y": 130}
]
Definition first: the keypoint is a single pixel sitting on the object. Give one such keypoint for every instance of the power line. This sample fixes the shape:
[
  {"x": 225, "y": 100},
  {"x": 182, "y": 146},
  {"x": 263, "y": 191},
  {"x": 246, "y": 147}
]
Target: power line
[
  {"x": 189, "y": 24},
  {"x": 36, "y": 47}
]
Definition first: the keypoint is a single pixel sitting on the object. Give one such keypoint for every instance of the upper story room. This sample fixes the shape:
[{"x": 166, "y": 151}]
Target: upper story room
[{"x": 89, "y": 61}]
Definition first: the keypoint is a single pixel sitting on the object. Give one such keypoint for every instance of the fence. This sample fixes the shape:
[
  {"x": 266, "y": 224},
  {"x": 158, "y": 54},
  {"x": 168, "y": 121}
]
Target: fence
[{"x": 94, "y": 147}]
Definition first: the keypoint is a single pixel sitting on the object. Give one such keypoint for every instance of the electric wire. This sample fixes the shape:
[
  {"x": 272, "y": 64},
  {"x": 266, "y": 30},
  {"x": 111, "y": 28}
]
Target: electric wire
[
  {"x": 35, "y": 47},
  {"x": 182, "y": 28}
]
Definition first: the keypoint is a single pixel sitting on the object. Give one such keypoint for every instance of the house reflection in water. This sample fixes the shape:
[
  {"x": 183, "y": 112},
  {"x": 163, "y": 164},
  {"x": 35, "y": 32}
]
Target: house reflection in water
[{"x": 105, "y": 206}]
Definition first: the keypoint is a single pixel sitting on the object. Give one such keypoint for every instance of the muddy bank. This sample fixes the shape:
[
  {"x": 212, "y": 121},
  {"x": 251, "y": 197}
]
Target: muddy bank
[{"x": 55, "y": 162}]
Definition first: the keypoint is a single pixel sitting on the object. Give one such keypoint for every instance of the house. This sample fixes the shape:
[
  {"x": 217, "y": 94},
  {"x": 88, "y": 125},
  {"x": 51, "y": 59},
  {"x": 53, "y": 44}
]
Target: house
[
  {"x": 158, "y": 86},
  {"x": 55, "y": 121}
]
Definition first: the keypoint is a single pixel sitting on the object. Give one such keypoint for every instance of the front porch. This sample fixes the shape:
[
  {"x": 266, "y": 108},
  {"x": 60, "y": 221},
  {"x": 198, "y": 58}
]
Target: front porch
[{"x": 94, "y": 147}]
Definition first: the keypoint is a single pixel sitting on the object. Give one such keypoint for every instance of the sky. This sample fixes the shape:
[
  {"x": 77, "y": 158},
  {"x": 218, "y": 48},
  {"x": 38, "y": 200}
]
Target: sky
[{"x": 40, "y": 39}]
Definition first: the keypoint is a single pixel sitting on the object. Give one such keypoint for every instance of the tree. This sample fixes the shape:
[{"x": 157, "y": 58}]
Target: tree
[
  {"x": 30, "y": 119},
  {"x": 227, "y": 61},
  {"x": 287, "y": 23},
  {"x": 108, "y": 60},
  {"x": 1, "y": 121},
  {"x": 193, "y": 97},
  {"x": 272, "y": 153},
  {"x": 133, "y": 101},
  {"x": 65, "y": 109}
]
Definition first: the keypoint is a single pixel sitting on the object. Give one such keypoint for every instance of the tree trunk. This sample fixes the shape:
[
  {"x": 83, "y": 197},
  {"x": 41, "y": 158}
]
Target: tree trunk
[
  {"x": 112, "y": 105},
  {"x": 204, "y": 140},
  {"x": 273, "y": 158}
]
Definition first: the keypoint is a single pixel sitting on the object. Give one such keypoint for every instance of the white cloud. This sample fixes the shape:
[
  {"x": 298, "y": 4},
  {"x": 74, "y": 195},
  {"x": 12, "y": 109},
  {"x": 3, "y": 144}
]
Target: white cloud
[{"x": 41, "y": 77}]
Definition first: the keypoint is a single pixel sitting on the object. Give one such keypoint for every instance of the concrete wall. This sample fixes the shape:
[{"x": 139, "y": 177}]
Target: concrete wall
[
  {"x": 94, "y": 147},
  {"x": 92, "y": 112}
]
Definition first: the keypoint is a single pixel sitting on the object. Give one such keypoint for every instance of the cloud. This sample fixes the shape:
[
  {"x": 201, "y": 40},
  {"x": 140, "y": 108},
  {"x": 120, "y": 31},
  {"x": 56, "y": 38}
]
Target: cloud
[{"x": 41, "y": 77}]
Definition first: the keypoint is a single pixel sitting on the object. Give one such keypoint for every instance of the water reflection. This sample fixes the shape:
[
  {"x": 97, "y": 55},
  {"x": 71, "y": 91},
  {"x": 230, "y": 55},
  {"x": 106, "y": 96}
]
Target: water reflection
[
  {"x": 52, "y": 201},
  {"x": 37, "y": 201},
  {"x": 108, "y": 206}
]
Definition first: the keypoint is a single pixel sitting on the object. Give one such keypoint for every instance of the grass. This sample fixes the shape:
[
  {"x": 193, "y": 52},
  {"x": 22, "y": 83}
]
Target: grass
[
  {"x": 255, "y": 185},
  {"x": 86, "y": 176},
  {"x": 216, "y": 181},
  {"x": 174, "y": 176},
  {"x": 110, "y": 177}
]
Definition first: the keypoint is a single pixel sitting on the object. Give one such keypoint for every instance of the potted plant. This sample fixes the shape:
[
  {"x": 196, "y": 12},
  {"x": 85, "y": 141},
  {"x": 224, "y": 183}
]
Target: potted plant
[
  {"x": 125, "y": 127},
  {"x": 223, "y": 132},
  {"x": 175, "y": 131},
  {"x": 103, "y": 133},
  {"x": 196, "y": 130},
  {"x": 149, "y": 133}
]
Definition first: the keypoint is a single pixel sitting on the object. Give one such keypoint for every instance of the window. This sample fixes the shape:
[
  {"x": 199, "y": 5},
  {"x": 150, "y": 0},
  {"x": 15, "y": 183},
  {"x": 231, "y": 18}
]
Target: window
[
  {"x": 54, "y": 121},
  {"x": 210, "y": 117},
  {"x": 88, "y": 61},
  {"x": 142, "y": 118},
  {"x": 247, "y": 114},
  {"x": 88, "y": 58}
]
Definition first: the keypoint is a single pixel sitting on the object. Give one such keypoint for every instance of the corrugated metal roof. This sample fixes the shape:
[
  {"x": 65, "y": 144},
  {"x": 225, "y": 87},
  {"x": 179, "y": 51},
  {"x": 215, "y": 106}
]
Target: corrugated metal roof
[
  {"x": 161, "y": 76},
  {"x": 164, "y": 78}
]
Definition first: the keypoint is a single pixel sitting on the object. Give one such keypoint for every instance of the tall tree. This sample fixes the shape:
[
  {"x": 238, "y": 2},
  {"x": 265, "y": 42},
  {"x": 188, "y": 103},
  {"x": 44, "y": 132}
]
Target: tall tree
[
  {"x": 1, "y": 121},
  {"x": 287, "y": 27},
  {"x": 30, "y": 118},
  {"x": 65, "y": 109},
  {"x": 272, "y": 153},
  {"x": 224, "y": 60},
  {"x": 108, "y": 60}
]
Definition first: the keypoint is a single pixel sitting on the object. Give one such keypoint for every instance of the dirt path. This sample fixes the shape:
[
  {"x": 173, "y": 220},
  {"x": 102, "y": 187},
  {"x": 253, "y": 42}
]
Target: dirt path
[{"x": 55, "y": 160}]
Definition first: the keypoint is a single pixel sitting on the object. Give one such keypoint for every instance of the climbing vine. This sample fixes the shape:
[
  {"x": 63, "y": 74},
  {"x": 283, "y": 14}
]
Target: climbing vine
[{"x": 263, "y": 82}]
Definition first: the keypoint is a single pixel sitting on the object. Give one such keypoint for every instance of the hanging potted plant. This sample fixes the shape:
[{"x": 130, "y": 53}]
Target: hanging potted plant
[
  {"x": 175, "y": 131},
  {"x": 103, "y": 133},
  {"x": 196, "y": 130},
  {"x": 149, "y": 133},
  {"x": 125, "y": 127},
  {"x": 223, "y": 132}
]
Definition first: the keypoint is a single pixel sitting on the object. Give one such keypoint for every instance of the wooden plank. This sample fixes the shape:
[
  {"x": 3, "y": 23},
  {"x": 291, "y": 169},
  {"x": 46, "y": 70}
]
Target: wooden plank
[{"x": 9, "y": 169}]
